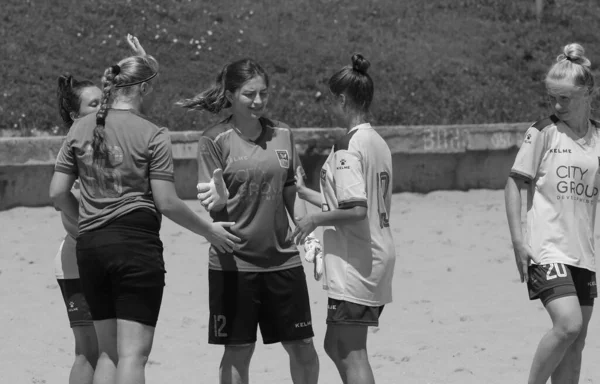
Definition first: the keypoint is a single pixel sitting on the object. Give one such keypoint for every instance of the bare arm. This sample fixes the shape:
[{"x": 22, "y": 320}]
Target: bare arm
[
  {"x": 523, "y": 254},
  {"x": 170, "y": 205},
  {"x": 304, "y": 192},
  {"x": 289, "y": 199},
  {"x": 61, "y": 195},
  {"x": 512, "y": 201},
  {"x": 309, "y": 223}
]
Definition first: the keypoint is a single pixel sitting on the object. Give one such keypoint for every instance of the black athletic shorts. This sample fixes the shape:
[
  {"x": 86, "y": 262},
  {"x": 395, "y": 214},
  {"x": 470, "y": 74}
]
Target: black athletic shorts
[
  {"x": 122, "y": 269},
  {"x": 77, "y": 307},
  {"x": 552, "y": 281},
  {"x": 276, "y": 301},
  {"x": 347, "y": 313}
]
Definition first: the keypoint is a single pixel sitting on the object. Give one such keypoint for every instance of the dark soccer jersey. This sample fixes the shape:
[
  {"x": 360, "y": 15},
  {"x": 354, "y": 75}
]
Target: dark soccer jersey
[
  {"x": 255, "y": 174},
  {"x": 138, "y": 151}
]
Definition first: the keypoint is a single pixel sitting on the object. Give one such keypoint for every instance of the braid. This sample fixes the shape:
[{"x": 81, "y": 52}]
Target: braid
[
  {"x": 99, "y": 148},
  {"x": 213, "y": 99},
  {"x": 64, "y": 97}
]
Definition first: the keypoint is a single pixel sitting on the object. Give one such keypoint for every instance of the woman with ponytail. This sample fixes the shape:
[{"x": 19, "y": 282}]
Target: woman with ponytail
[
  {"x": 246, "y": 172},
  {"x": 125, "y": 166},
  {"x": 76, "y": 99},
  {"x": 558, "y": 165},
  {"x": 356, "y": 197}
]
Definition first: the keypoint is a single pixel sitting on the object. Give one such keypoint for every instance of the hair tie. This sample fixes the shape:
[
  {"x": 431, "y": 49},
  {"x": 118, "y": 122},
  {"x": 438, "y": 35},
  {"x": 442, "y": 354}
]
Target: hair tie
[
  {"x": 568, "y": 58},
  {"x": 116, "y": 69},
  {"x": 137, "y": 82}
]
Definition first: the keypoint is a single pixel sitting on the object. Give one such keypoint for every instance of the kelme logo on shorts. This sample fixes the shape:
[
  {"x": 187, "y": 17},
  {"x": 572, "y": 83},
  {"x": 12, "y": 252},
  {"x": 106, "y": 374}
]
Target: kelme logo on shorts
[{"x": 283, "y": 157}]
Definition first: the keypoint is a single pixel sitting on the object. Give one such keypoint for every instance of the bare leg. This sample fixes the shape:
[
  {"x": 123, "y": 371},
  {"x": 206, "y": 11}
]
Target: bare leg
[
  {"x": 235, "y": 364},
  {"x": 568, "y": 370},
  {"x": 106, "y": 368},
  {"x": 304, "y": 361},
  {"x": 134, "y": 346},
  {"x": 86, "y": 355},
  {"x": 347, "y": 347},
  {"x": 567, "y": 321}
]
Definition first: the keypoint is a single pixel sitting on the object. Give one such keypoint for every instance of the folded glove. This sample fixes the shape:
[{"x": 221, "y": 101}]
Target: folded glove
[{"x": 314, "y": 254}]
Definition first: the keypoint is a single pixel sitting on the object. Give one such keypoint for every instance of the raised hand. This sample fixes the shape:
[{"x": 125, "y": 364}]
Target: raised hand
[
  {"x": 135, "y": 46},
  {"x": 215, "y": 193}
]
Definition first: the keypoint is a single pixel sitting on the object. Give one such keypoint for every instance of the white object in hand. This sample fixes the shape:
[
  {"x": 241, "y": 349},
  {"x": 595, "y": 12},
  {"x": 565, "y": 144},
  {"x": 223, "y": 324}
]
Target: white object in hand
[{"x": 314, "y": 254}]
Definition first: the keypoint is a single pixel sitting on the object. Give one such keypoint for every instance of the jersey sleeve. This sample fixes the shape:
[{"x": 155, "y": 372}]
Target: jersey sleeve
[
  {"x": 66, "y": 161},
  {"x": 209, "y": 158},
  {"x": 349, "y": 180},
  {"x": 161, "y": 156},
  {"x": 530, "y": 155}
]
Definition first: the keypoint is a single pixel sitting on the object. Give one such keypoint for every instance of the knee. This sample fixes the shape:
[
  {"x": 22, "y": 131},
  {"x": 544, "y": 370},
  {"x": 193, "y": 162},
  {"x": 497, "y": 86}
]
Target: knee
[
  {"x": 302, "y": 351},
  {"x": 239, "y": 354},
  {"x": 569, "y": 330}
]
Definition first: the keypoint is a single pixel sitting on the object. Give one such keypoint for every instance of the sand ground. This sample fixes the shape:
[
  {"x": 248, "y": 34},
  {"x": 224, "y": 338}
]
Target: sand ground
[{"x": 460, "y": 314}]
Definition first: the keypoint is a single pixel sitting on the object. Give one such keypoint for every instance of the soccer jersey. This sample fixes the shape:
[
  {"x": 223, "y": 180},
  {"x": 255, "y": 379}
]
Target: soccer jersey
[
  {"x": 138, "y": 152},
  {"x": 359, "y": 256},
  {"x": 562, "y": 171},
  {"x": 255, "y": 173}
]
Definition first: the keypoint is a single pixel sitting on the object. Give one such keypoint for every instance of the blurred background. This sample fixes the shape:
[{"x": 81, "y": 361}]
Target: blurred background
[{"x": 433, "y": 61}]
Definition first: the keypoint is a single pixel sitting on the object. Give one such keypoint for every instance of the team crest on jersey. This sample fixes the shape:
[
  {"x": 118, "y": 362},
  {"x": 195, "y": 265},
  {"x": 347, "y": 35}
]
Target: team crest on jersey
[{"x": 283, "y": 157}]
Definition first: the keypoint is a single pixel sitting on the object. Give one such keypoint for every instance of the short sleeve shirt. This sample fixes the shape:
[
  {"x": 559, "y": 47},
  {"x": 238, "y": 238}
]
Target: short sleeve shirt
[
  {"x": 255, "y": 173},
  {"x": 138, "y": 150},
  {"x": 359, "y": 256},
  {"x": 562, "y": 172}
]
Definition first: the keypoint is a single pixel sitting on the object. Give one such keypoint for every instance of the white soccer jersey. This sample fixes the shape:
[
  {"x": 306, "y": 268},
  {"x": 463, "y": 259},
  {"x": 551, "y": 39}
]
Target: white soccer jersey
[
  {"x": 360, "y": 256},
  {"x": 562, "y": 170}
]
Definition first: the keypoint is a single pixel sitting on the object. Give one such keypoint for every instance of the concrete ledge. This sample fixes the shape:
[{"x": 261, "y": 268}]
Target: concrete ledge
[{"x": 426, "y": 158}]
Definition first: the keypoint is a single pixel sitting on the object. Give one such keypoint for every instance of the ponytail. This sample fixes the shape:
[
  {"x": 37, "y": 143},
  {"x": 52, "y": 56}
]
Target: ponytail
[
  {"x": 68, "y": 96},
  {"x": 99, "y": 148},
  {"x": 212, "y": 99}
]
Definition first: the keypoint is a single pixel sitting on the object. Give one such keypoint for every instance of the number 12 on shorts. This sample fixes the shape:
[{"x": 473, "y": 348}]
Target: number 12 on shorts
[
  {"x": 556, "y": 270},
  {"x": 219, "y": 322}
]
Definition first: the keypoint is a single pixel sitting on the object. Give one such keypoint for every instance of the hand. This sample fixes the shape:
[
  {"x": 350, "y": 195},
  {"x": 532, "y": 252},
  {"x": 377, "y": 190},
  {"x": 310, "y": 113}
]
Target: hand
[
  {"x": 215, "y": 193},
  {"x": 304, "y": 227},
  {"x": 223, "y": 240},
  {"x": 523, "y": 256},
  {"x": 135, "y": 46}
]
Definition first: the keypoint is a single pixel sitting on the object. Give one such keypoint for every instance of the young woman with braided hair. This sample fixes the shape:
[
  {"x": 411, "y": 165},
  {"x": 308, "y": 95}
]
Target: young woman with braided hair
[
  {"x": 76, "y": 99},
  {"x": 125, "y": 166}
]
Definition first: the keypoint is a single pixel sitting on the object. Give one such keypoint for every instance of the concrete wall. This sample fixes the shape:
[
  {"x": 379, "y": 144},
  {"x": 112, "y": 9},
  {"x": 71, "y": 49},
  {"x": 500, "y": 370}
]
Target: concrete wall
[{"x": 426, "y": 158}]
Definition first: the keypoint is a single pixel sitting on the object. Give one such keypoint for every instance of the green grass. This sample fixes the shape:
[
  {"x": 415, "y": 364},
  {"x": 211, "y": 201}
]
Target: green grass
[{"x": 433, "y": 61}]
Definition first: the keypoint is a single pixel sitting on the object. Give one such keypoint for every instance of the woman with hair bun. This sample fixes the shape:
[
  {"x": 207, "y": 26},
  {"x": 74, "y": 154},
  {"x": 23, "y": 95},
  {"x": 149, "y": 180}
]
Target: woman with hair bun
[
  {"x": 356, "y": 196},
  {"x": 558, "y": 165},
  {"x": 125, "y": 166},
  {"x": 249, "y": 160}
]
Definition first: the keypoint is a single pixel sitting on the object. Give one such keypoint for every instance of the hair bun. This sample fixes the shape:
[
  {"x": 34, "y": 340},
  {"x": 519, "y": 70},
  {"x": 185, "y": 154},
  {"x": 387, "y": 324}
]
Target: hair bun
[
  {"x": 359, "y": 63},
  {"x": 575, "y": 54}
]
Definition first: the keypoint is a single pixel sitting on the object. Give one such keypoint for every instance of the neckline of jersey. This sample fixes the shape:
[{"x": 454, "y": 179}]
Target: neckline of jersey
[
  {"x": 583, "y": 139},
  {"x": 245, "y": 138},
  {"x": 360, "y": 126}
]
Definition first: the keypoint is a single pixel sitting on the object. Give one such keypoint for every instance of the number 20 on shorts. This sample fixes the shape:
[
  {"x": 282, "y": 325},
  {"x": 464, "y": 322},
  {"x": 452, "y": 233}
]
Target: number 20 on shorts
[{"x": 556, "y": 270}]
